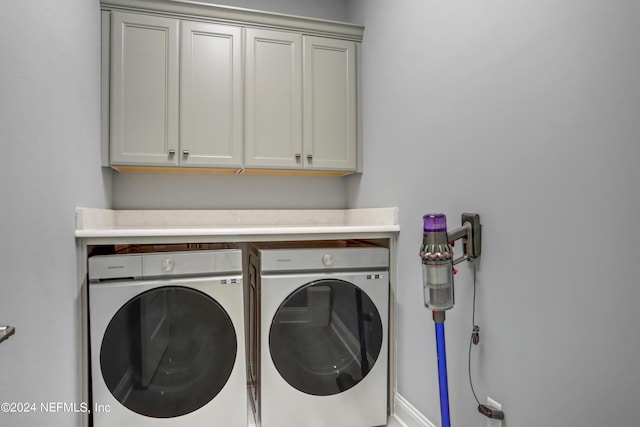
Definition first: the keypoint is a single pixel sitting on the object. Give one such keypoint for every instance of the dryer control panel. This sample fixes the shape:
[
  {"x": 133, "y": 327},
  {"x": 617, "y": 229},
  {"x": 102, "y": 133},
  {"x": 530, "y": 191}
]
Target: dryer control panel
[{"x": 165, "y": 264}]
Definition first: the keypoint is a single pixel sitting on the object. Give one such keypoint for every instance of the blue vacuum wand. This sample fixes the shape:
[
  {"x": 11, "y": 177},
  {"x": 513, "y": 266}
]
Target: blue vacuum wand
[{"x": 438, "y": 318}]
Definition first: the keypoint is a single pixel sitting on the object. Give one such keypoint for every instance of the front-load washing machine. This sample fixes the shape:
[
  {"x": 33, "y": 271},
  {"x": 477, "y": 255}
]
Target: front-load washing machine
[
  {"x": 167, "y": 339},
  {"x": 323, "y": 336}
]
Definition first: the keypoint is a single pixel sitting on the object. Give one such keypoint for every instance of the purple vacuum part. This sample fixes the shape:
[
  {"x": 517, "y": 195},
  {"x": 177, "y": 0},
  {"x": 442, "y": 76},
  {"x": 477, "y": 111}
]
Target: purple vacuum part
[{"x": 435, "y": 222}]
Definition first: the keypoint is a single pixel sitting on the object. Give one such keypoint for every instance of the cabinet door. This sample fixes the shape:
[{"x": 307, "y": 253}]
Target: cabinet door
[
  {"x": 210, "y": 95},
  {"x": 144, "y": 90},
  {"x": 273, "y": 104},
  {"x": 330, "y": 126}
]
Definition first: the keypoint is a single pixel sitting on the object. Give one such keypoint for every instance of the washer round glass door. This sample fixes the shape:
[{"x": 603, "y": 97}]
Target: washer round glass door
[
  {"x": 168, "y": 352},
  {"x": 325, "y": 337}
]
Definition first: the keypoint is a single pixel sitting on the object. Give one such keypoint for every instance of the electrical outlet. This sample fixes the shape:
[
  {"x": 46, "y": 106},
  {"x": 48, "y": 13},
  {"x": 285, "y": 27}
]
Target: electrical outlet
[{"x": 491, "y": 422}]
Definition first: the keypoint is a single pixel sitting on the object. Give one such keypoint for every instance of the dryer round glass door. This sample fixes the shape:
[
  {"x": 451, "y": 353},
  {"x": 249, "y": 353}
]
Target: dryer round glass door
[
  {"x": 168, "y": 352},
  {"x": 325, "y": 337}
]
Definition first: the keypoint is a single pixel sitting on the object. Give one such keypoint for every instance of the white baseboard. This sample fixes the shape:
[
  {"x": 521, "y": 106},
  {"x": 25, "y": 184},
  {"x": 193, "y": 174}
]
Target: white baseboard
[{"x": 406, "y": 415}]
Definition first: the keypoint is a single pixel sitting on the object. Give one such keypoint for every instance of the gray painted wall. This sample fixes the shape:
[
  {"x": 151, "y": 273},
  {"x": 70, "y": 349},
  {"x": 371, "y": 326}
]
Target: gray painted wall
[
  {"x": 171, "y": 191},
  {"x": 527, "y": 113},
  {"x": 156, "y": 191},
  {"x": 50, "y": 133}
]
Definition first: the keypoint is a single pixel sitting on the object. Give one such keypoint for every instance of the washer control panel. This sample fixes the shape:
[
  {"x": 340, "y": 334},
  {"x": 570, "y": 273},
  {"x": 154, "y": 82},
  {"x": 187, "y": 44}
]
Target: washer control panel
[{"x": 322, "y": 259}]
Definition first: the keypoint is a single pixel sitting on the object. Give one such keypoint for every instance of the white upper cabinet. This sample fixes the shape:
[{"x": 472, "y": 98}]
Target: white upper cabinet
[
  {"x": 193, "y": 85},
  {"x": 301, "y": 102},
  {"x": 330, "y": 107},
  {"x": 176, "y": 100},
  {"x": 144, "y": 90},
  {"x": 273, "y": 99},
  {"x": 210, "y": 95}
]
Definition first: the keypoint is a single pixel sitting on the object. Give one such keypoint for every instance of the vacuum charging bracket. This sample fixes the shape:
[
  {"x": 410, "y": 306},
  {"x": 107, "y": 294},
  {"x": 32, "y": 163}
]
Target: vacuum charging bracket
[{"x": 471, "y": 234}]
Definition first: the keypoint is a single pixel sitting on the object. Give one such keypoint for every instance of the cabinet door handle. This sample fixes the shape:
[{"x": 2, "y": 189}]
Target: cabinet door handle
[
  {"x": 298, "y": 156},
  {"x": 172, "y": 153},
  {"x": 309, "y": 157},
  {"x": 185, "y": 153}
]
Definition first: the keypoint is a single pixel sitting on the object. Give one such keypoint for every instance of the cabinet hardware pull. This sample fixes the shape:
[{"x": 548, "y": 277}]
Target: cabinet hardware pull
[
  {"x": 172, "y": 153},
  {"x": 298, "y": 156},
  {"x": 6, "y": 332},
  {"x": 185, "y": 153},
  {"x": 309, "y": 157}
]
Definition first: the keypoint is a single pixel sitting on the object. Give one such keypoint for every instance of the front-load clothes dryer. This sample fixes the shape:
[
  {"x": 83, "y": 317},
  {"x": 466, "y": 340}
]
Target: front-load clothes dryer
[
  {"x": 167, "y": 339},
  {"x": 323, "y": 337}
]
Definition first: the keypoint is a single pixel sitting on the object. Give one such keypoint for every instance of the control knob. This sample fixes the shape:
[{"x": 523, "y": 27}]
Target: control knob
[
  {"x": 168, "y": 265},
  {"x": 327, "y": 259}
]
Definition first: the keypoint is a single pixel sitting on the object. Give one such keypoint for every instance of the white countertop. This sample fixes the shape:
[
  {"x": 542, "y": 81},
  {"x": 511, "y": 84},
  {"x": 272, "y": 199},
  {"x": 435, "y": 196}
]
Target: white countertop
[{"x": 106, "y": 223}]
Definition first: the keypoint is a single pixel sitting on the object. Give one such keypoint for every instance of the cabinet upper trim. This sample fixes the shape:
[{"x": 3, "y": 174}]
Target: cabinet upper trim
[{"x": 239, "y": 16}]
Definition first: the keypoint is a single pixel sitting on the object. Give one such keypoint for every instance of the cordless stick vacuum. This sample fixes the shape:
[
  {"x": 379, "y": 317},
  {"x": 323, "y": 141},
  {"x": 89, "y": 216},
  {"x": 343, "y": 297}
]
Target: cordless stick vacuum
[{"x": 437, "y": 275}]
